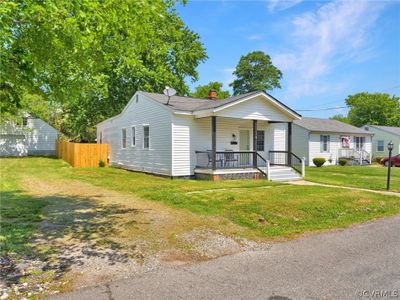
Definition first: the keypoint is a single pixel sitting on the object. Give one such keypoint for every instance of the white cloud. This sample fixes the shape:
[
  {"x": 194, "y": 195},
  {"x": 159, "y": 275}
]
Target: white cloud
[
  {"x": 278, "y": 5},
  {"x": 254, "y": 37},
  {"x": 336, "y": 33}
]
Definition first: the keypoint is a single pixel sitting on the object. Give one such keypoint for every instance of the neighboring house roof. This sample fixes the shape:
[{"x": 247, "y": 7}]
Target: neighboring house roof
[
  {"x": 390, "y": 129},
  {"x": 328, "y": 125},
  {"x": 191, "y": 104}
]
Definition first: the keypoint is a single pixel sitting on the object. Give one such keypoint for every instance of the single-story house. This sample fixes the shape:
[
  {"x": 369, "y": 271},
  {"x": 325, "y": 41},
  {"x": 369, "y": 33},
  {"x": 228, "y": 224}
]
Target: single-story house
[
  {"x": 31, "y": 137},
  {"x": 332, "y": 140},
  {"x": 382, "y": 136},
  {"x": 246, "y": 136}
]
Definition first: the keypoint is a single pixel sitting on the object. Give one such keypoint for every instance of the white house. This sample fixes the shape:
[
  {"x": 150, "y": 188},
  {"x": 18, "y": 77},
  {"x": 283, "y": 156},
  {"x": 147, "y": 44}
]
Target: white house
[
  {"x": 382, "y": 136},
  {"x": 32, "y": 137},
  {"x": 331, "y": 139},
  {"x": 206, "y": 138}
]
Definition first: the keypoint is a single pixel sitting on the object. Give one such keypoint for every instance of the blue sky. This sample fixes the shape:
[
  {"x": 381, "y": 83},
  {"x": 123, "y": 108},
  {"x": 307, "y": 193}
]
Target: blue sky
[{"x": 326, "y": 50}]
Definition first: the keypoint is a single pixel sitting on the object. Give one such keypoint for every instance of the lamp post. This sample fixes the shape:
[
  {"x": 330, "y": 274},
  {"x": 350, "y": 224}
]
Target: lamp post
[{"x": 390, "y": 148}]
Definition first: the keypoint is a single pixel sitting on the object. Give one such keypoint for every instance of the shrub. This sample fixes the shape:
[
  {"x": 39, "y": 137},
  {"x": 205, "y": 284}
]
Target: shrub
[
  {"x": 319, "y": 161},
  {"x": 102, "y": 164},
  {"x": 378, "y": 159},
  {"x": 342, "y": 162}
]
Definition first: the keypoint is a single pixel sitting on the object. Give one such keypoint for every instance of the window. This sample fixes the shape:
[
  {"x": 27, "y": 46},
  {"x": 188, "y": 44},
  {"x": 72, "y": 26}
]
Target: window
[
  {"x": 324, "y": 141},
  {"x": 123, "y": 136},
  {"x": 101, "y": 137},
  {"x": 146, "y": 137},
  {"x": 380, "y": 146},
  {"x": 133, "y": 136},
  {"x": 260, "y": 140},
  {"x": 24, "y": 121},
  {"x": 360, "y": 142}
]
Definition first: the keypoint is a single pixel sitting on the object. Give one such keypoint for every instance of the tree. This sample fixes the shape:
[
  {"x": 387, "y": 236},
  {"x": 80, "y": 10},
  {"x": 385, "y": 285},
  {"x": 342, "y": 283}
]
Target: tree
[
  {"x": 202, "y": 91},
  {"x": 255, "y": 71},
  {"x": 373, "y": 109},
  {"x": 340, "y": 118},
  {"x": 89, "y": 57}
]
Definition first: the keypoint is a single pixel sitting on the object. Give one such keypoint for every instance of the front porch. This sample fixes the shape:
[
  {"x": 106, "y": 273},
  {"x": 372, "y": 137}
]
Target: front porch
[{"x": 252, "y": 149}]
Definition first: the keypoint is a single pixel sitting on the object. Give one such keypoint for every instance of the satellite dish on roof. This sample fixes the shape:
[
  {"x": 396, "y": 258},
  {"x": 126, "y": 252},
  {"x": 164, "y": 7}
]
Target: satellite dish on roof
[{"x": 169, "y": 92}]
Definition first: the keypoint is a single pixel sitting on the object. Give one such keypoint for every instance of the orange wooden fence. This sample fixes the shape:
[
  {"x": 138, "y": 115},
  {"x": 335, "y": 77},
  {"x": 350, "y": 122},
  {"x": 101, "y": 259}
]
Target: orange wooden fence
[{"x": 82, "y": 155}]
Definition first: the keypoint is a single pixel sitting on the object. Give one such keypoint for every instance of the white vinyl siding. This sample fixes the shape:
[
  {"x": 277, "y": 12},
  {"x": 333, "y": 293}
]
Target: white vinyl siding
[
  {"x": 156, "y": 159},
  {"x": 300, "y": 143},
  {"x": 386, "y": 137},
  {"x": 255, "y": 109}
]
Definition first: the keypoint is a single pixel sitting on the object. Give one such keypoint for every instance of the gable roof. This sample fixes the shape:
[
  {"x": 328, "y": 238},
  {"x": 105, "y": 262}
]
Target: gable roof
[
  {"x": 328, "y": 125},
  {"x": 190, "y": 104},
  {"x": 390, "y": 129}
]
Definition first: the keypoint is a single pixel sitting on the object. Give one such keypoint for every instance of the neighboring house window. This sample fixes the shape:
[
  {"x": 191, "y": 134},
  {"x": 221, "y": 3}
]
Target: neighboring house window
[
  {"x": 24, "y": 121},
  {"x": 123, "y": 136},
  {"x": 101, "y": 137},
  {"x": 360, "y": 142},
  {"x": 133, "y": 136},
  {"x": 146, "y": 137},
  {"x": 324, "y": 141},
  {"x": 260, "y": 140},
  {"x": 380, "y": 146},
  {"x": 345, "y": 141}
]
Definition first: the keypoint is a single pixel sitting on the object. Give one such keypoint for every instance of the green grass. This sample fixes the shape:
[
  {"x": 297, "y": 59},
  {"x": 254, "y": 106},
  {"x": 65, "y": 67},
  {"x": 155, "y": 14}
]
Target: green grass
[
  {"x": 288, "y": 210},
  {"x": 369, "y": 177}
]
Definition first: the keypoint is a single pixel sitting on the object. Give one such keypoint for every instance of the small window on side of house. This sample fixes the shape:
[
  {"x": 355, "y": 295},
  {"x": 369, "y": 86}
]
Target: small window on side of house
[
  {"x": 146, "y": 136},
  {"x": 260, "y": 140},
  {"x": 123, "y": 138},
  {"x": 324, "y": 143},
  {"x": 24, "y": 121},
  {"x": 133, "y": 136},
  {"x": 101, "y": 137},
  {"x": 380, "y": 146}
]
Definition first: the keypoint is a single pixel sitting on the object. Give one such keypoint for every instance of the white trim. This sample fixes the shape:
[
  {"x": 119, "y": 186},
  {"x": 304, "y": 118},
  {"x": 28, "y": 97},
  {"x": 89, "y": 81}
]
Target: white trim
[
  {"x": 225, "y": 171},
  {"x": 211, "y": 111}
]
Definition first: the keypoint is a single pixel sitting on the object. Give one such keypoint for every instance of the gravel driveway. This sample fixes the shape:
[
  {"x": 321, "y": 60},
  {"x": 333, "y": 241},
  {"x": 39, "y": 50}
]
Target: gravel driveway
[{"x": 354, "y": 263}]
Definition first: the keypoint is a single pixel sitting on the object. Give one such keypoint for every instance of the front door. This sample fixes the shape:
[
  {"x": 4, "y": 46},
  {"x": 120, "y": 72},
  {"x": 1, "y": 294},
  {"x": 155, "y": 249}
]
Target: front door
[{"x": 244, "y": 145}]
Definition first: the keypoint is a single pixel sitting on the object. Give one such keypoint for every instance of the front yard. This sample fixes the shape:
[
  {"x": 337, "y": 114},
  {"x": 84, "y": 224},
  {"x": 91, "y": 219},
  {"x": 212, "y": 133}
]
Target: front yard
[
  {"x": 369, "y": 177},
  {"x": 63, "y": 227}
]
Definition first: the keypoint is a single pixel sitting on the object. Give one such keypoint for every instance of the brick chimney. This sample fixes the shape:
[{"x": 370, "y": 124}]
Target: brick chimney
[{"x": 212, "y": 94}]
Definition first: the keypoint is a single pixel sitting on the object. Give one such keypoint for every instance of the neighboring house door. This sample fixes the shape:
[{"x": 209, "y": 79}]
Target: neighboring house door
[{"x": 244, "y": 145}]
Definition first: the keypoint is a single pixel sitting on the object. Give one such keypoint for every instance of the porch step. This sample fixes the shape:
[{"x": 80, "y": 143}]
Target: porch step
[{"x": 283, "y": 174}]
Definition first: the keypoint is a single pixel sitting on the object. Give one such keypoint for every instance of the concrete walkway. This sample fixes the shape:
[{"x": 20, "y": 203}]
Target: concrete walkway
[
  {"x": 352, "y": 263},
  {"x": 304, "y": 182}
]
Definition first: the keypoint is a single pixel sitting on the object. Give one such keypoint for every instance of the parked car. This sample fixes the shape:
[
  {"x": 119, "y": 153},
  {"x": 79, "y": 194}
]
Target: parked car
[{"x": 395, "y": 161}]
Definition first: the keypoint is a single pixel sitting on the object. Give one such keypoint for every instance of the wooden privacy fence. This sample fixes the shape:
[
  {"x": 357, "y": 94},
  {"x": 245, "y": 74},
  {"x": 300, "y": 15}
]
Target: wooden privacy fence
[{"x": 82, "y": 155}]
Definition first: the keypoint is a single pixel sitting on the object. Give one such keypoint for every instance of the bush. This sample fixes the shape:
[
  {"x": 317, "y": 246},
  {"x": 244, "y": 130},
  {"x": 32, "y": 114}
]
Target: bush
[
  {"x": 342, "y": 162},
  {"x": 319, "y": 161},
  {"x": 102, "y": 164},
  {"x": 378, "y": 159}
]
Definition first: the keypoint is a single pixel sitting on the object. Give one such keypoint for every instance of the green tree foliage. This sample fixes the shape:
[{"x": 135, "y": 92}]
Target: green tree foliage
[
  {"x": 202, "y": 91},
  {"x": 87, "y": 58},
  {"x": 373, "y": 109},
  {"x": 340, "y": 118},
  {"x": 255, "y": 71}
]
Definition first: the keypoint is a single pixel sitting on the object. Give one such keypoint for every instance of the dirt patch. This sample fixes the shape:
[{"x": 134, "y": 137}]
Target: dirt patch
[{"x": 91, "y": 235}]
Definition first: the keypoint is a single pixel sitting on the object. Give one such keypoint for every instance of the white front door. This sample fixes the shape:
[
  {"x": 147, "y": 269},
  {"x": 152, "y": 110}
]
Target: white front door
[{"x": 244, "y": 140}]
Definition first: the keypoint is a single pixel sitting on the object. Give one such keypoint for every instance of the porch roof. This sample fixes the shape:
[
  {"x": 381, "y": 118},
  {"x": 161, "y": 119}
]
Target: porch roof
[{"x": 193, "y": 105}]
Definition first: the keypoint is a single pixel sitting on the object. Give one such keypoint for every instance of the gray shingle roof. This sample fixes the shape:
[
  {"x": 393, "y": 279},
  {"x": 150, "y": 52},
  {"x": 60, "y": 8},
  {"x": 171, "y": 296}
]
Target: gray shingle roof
[
  {"x": 328, "y": 125},
  {"x": 194, "y": 104},
  {"x": 390, "y": 129}
]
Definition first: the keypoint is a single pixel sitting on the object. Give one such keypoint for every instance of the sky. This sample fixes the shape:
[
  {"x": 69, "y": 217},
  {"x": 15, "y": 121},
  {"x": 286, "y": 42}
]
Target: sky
[{"x": 326, "y": 50}]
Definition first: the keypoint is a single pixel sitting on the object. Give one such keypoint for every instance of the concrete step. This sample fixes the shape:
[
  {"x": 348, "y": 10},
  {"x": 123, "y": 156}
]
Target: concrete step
[{"x": 282, "y": 173}]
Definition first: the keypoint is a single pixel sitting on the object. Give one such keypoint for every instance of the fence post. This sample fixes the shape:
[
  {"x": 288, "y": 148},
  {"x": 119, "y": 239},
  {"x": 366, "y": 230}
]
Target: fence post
[
  {"x": 303, "y": 167},
  {"x": 268, "y": 170}
]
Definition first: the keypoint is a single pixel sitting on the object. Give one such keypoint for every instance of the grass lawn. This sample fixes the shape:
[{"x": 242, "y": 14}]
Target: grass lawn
[
  {"x": 49, "y": 209},
  {"x": 370, "y": 177}
]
